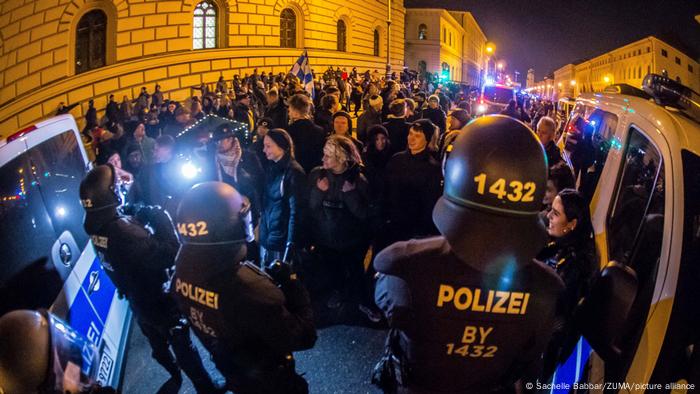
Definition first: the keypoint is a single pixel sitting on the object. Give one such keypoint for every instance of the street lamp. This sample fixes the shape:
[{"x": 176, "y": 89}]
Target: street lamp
[
  {"x": 606, "y": 79},
  {"x": 500, "y": 66},
  {"x": 490, "y": 50},
  {"x": 559, "y": 84},
  {"x": 572, "y": 82}
]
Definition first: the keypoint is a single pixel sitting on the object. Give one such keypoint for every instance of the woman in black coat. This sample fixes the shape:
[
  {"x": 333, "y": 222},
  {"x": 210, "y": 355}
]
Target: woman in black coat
[
  {"x": 572, "y": 254},
  {"x": 284, "y": 199},
  {"x": 339, "y": 204},
  {"x": 413, "y": 186}
]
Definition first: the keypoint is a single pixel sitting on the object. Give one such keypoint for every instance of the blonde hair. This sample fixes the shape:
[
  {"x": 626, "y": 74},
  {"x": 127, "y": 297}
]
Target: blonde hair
[{"x": 344, "y": 150}]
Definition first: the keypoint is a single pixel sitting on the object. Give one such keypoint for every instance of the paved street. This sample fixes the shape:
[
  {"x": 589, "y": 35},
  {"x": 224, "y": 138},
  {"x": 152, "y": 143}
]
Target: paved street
[{"x": 341, "y": 362}]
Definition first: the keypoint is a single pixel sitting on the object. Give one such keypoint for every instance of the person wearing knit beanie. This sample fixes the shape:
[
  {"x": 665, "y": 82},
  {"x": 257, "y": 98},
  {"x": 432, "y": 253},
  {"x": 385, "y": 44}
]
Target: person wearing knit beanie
[
  {"x": 282, "y": 139},
  {"x": 346, "y": 116},
  {"x": 426, "y": 127},
  {"x": 435, "y": 98},
  {"x": 376, "y": 102},
  {"x": 458, "y": 119}
]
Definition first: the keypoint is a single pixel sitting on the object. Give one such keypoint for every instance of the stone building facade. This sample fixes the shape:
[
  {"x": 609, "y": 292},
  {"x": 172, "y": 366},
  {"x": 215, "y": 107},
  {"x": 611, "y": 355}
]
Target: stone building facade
[
  {"x": 628, "y": 64},
  {"x": 448, "y": 42},
  {"x": 50, "y": 49}
]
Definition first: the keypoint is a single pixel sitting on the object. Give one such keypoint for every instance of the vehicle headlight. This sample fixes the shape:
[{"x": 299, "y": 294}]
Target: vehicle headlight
[
  {"x": 481, "y": 108},
  {"x": 189, "y": 170}
]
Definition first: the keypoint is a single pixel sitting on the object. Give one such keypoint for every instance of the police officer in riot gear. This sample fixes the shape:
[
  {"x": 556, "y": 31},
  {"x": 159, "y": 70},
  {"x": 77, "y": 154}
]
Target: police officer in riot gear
[
  {"x": 136, "y": 259},
  {"x": 42, "y": 354},
  {"x": 472, "y": 309},
  {"x": 248, "y": 322}
]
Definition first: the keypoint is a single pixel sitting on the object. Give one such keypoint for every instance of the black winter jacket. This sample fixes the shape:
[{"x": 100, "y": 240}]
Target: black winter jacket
[
  {"x": 398, "y": 133},
  {"x": 308, "y": 143},
  {"x": 437, "y": 116},
  {"x": 278, "y": 113},
  {"x": 324, "y": 119},
  {"x": 284, "y": 204},
  {"x": 413, "y": 186},
  {"x": 338, "y": 219}
]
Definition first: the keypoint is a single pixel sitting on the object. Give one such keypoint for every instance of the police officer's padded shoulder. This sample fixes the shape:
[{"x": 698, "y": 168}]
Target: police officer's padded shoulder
[
  {"x": 400, "y": 255},
  {"x": 256, "y": 284},
  {"x": 545, "y": 276},
  {"x": 127, "y": 227}
]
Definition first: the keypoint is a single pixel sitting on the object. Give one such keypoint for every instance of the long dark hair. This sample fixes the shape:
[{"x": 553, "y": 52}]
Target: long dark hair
[{"x": 576, "y": 207}]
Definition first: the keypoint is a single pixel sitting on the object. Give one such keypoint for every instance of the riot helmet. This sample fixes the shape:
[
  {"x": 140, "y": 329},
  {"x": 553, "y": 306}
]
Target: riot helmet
[
  {"x": 98, "y": 190},
  {"x": 41, "y": 353},
  {"x": 495, "y": 179},
  {"x": 212, "y": 213},
  {"x": 24, "y": 351}
]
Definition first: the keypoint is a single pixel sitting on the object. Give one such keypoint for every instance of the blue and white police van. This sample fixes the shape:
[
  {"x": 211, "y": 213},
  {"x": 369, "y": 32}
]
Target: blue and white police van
[
  {"x": 47, "y": 259},
  {"x": 638, "y": 154}
]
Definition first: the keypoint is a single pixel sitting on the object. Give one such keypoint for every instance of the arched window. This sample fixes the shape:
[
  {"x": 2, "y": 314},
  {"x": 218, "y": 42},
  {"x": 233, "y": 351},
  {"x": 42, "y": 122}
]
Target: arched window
[
  {"x": 376, "y": 42},
  {"x": 342, "y": 36},
  {"x": 204, "y": 26},
  {"x": 422, "y": 32},
  {"x": 90, "y": 42},
  {"x": 288, "y": 29}
]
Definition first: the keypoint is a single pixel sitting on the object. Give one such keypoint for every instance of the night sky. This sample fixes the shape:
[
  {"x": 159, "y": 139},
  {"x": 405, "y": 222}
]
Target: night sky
[{"x": 545, "y": 35}]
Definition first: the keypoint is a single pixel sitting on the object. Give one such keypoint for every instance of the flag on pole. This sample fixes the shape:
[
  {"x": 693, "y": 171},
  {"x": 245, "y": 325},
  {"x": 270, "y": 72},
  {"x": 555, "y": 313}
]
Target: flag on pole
[{"x": 303, "y": 71}]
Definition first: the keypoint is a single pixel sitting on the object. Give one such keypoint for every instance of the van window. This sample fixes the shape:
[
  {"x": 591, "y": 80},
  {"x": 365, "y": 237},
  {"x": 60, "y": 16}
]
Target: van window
[
  {"x": 26, "y": 233},
  {"x": 498, "y": 94},
  {"x": 60, "y": 168},
  {"x": 598, "y": 130},
  {"x": 639, "y": 197}
]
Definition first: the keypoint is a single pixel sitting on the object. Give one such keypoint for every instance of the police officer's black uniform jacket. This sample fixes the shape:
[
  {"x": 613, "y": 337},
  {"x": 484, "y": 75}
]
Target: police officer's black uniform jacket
[
  {"x": 464, "y": 330},
  {"x": 134, "y": 259},
  {"x": 242, "y": 317}
]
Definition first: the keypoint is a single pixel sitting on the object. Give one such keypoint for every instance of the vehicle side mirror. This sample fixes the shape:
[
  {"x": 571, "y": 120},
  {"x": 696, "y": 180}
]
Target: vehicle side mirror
[{"x": 602, "y": 314}]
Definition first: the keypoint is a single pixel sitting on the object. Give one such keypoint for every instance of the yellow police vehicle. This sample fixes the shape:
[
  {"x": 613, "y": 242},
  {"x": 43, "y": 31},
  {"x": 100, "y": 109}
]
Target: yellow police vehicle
[{"x": 636, "y": 155}]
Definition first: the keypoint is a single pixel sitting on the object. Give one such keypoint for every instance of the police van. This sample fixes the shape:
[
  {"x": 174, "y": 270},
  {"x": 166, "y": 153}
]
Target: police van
[
  {"x": 637, "y": 157},
  {"x": 47, "y": 259},
  {"x": 494, "y": 98},
  {"x": 564, "y": 107}
]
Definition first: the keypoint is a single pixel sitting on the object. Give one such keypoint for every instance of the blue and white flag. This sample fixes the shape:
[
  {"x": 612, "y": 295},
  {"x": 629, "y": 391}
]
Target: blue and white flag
[{"x": 303, "y": 71}]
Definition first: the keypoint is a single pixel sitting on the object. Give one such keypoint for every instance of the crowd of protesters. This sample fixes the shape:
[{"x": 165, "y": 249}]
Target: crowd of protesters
[{"x": 331, "y": 179}]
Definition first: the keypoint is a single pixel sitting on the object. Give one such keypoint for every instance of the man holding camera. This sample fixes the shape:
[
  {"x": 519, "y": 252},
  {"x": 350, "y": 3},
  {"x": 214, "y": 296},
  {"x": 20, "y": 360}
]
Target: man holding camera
[{"x": 250, "y": 321}]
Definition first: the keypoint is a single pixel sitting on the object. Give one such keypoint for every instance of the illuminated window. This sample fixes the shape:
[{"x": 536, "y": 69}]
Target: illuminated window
[
  {"x": 90, "y": 41},
  {"x": 422, "y": 32},
  {"x": 204, "y": 26},
  {"x": 288, "y": 29},
  {"x": 376, "y": 42},
  {"x": 342, "y": 36}
]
